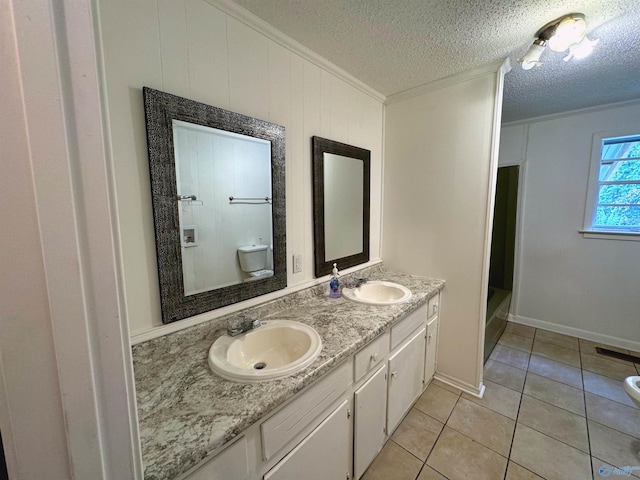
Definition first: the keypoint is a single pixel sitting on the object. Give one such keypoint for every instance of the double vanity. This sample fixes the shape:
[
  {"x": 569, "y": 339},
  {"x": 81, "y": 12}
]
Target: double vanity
[{"x": 328, "y": 420}]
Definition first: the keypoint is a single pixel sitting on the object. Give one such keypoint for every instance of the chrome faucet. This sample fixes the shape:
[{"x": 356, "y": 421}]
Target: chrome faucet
[{"x": 236, "y": 326}]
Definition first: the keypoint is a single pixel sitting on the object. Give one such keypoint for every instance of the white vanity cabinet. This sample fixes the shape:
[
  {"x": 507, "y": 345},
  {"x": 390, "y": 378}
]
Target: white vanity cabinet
[
  {"x": 369, "y": 428},
  {"x": 335, "y": 427},
  {"x": 432, "y": 339},
  {"x": 323, "y": 454},
  {"x": 406, "y": 376},
  {"x": 232, "y": 462}
]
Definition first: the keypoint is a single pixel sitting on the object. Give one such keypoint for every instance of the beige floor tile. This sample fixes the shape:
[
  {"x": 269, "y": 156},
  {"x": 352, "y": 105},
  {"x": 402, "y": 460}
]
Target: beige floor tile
[
  {"x": 457, "y": 457},
  {"x": 588, "y": 347},
  {"x": 428, "y": 473},
  {"x": 556, "y": 393},
  {"x": 613, "y": 414},
  {"x": 417, "y": 433},
  {"x": 516, "y": 341},
  {"x": 498, "y": 398},
  {"x": 516, "y": 472},
  {"x": 554, "y": 352},
  {"x": 393, "y": 463},
  {"x": 510, "y": 356},
  {"x": 555, "y": 422},
  {"x": 483, "y": 425},
  {"x": 519, "y": 329},
  {"x": 504, "y": 375},
  {"x": 613, "y": 447},
  {"x": 437, "y": 402},
  {"x": 557, "y": 339},
  {"x": 556, "y": 371},
  {"x": 608, "y": 368},
  {"x": 446, "y": 386},
  {"x": 607, "y": 387},
  {"x": 549, "y": 458}
]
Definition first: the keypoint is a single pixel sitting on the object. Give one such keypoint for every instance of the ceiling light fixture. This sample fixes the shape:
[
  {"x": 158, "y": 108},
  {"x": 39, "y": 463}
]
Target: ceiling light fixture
[{"x": 566, "y": 32}]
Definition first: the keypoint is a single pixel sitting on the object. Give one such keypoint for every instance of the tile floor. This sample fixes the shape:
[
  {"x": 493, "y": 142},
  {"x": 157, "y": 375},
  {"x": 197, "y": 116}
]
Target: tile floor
[{"x": 553, "y": 409}]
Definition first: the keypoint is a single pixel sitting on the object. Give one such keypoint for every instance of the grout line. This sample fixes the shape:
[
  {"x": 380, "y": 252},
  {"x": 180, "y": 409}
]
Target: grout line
[{"x": 586, "y": 413}]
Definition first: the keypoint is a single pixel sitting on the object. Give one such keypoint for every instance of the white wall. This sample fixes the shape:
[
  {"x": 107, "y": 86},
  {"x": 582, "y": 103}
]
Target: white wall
[
  {"x": 567, "y": 283},
  {"x": 438, "y": 187},
  {"x": 195, "y": 50},
  {"x": 29, "y": 388}
]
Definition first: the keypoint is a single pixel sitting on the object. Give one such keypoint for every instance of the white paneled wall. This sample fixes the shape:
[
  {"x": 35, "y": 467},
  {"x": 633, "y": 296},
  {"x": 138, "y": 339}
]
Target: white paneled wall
[
  {"x": 193, "y": 49},
  {"x": 567, "y": 283},
  {"x": 439, "y": 165}
]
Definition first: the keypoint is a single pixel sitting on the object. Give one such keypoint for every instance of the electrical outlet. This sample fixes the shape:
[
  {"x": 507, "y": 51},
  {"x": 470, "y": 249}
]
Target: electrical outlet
[{"x": 297, "y": 263}]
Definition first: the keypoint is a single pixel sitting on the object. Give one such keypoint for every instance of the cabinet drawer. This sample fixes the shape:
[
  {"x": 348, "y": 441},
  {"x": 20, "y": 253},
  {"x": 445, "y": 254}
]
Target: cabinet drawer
[
  {"x": 304, "y": 411},
  {"x": 407, "y": 325},
  {"x": 434, "y": 305},
  {"x": 371, "y": 355}
]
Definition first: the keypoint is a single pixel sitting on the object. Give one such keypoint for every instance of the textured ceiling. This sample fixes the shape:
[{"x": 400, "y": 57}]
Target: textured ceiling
[{"x": 393, "y": 46}]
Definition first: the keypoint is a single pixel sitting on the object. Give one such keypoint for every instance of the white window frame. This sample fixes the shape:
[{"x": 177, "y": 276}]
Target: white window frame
[{"x": 588, "y": 230}]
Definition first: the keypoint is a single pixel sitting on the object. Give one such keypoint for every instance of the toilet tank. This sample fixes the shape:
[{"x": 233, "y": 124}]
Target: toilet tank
[{"x": 253, "y": 257}]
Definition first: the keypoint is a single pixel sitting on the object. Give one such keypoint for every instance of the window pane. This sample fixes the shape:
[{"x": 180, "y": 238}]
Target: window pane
[
  {"x": 628, "y": 149},
  {"x": 623, "y": 170},
  {"x": 619, "y": 194},
  {"x": 617, "y": 217}
]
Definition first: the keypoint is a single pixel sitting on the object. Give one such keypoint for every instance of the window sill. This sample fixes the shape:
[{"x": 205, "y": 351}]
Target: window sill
[{"x": 610, "y": 235}]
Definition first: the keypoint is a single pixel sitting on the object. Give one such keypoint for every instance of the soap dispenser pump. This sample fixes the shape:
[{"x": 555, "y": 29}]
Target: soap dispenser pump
[{"x": 334, "y": 284}]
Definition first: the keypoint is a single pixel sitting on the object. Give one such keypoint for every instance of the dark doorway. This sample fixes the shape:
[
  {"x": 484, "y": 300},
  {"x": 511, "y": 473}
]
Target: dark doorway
[{"x": 503, "y": 242}]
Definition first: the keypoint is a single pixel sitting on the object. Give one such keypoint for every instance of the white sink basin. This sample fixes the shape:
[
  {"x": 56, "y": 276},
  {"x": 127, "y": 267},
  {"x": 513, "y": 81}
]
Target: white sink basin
[
  {"x": 378, "y": 293},
  {"x": 276, "y": 349}
]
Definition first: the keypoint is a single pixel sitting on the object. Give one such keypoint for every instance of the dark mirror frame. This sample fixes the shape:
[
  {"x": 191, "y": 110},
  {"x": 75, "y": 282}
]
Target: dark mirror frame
[
  {"x": 320, "y": 146},
  {"x": 160, "y": 110}
]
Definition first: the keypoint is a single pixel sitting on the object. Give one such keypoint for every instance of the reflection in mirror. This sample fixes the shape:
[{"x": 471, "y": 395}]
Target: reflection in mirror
[
  {"x": 218, "y": 192},
  {"x": 341, "y": 190},
  {"x": 213, "y": 165}
]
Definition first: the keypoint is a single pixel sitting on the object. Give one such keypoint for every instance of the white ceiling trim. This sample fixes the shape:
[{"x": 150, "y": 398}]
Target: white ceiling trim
[
  {"x": 501, "y": 65},
  {"x": 570, "y": 113},
  {"x": 243, "y": 15}
]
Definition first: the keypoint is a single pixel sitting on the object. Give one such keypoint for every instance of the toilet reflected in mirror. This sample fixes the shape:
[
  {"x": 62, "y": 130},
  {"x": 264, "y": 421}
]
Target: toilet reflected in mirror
[{"x": 254, "y": 260}]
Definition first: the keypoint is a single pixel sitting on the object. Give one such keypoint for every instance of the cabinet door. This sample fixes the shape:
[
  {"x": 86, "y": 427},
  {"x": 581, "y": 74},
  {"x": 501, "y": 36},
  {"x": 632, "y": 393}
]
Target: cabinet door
[
  {"x": 369, "y": 423},
  {"x": 432, "y": 349},
  {"x": 406, "y": 374},
  {"x": 231, "y": 463},
  {"x": 322, "y": 455}
]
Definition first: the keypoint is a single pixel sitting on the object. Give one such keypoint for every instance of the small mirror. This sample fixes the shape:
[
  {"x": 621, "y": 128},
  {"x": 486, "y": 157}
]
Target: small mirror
[
  {"x": 341, "y": 192},
  {"x": 218, "y": 191}
]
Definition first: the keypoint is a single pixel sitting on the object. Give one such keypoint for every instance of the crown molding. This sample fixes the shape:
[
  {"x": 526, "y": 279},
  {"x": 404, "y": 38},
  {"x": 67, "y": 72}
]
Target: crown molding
[
  {"x": 503, "y": 66},
  {"x": 571, "y": 113},
  {"x": 252, "y": 21}
]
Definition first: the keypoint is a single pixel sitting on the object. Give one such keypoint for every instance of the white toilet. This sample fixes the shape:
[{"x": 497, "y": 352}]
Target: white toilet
[
  {"x": 632, "y": 387},
  {"x": 253, "y": 260}
]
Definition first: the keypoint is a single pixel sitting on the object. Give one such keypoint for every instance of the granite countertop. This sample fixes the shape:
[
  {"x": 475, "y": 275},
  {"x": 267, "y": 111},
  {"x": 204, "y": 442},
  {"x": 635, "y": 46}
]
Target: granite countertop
[{"x": 186, "y": 411}]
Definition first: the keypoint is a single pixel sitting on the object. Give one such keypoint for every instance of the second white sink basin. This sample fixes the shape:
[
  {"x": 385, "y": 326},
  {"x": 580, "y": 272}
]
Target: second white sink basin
[
  {"x": 276, "y": 349},
  {"x": 378, "y": 293}
]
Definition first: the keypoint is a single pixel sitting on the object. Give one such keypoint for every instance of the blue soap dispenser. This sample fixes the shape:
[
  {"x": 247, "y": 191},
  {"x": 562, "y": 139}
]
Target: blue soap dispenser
[{"x": 334, "y": 284}]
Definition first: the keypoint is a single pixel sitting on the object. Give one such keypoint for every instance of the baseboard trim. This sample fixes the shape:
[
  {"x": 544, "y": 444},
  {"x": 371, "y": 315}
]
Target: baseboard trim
[
  {"x": 465, "y": 387},
  {"x": 577, "y": 332}
]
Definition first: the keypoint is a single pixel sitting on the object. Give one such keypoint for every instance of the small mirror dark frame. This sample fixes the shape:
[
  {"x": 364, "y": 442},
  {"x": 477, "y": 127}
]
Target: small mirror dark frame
[
  {"x": 320, "y": 146},
  {"x": 160, "y": 111}
]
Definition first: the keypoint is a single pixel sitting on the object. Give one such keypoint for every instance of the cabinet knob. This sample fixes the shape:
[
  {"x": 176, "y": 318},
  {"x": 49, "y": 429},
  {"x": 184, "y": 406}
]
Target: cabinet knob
[
  {"x": 394, "y": 374},
  {"x": 374, "y": 357},
  {"x": 435, "y": 308}
]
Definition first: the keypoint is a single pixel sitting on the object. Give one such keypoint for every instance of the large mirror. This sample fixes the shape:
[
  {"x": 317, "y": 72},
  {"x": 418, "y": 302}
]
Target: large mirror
[
  {"x": 218, "y": 192},
  {"x": 341, "y": 204}
]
